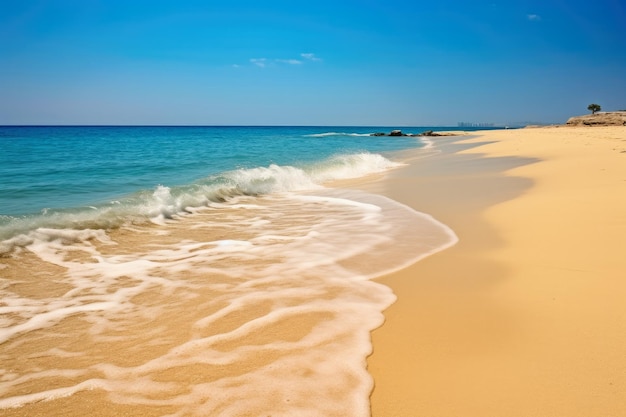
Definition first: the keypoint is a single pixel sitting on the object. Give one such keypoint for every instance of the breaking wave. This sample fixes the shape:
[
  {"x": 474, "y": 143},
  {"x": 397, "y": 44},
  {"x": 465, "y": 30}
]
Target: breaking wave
[
  {"x": 326, "y": 134},
  {"x": 165, "y": 202}
]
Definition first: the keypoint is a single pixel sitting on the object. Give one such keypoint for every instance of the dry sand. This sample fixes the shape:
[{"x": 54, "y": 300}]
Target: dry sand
[{"x": 526, "y": 315}]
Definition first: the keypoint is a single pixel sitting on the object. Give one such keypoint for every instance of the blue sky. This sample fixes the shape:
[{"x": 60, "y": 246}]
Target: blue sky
[{"x": 275, "y": 62}]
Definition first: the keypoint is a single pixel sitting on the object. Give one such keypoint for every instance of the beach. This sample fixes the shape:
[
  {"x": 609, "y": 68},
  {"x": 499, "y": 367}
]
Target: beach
[
  {"x": 525, "y": 315},
  {"x": 484, "y": 271},
  {"x": 249, "y": 290}
]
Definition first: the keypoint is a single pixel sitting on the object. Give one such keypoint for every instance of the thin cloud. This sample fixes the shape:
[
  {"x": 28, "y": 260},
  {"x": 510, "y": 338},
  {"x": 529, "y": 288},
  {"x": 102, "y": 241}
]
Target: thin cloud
[
  {"x": 259, "y": 62},
  {"x": 265, "y": 62},
  {"x": 289, "y": 61},
  {"x": 534, "y": 17},
  {"x": 310, "y": 57}
]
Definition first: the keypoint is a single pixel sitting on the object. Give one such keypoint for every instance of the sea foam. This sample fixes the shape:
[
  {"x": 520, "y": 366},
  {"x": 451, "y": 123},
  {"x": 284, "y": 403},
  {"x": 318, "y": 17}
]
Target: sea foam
[
  {"x": 328, "y": 134},
  {"x": 248, "y": 292},
  {"x": 254, "y": 305},
  {"x": 164, "y": 202}
]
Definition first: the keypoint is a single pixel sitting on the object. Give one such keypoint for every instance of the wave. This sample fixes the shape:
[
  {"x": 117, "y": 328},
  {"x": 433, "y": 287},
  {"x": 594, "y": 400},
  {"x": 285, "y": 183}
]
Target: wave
[
  {"x": 166, "y": 202},
  {"x": 326, "y": 134}
]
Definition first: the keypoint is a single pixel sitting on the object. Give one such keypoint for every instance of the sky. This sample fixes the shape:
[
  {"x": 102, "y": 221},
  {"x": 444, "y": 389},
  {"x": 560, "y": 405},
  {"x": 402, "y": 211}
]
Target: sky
[{"x": 309, "y": 62}]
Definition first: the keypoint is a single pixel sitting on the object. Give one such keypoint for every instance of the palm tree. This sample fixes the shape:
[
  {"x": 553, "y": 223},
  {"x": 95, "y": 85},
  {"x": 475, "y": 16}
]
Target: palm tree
[{"x": 593, "y": 108}]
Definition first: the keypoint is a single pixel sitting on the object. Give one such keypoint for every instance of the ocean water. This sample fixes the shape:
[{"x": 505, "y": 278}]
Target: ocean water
[{"x": 197, "y": 271}]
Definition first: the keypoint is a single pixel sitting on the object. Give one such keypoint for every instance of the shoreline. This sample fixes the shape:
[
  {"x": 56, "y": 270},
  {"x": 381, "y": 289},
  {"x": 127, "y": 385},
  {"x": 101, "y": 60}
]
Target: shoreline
[{"x": 523, "y": 316}]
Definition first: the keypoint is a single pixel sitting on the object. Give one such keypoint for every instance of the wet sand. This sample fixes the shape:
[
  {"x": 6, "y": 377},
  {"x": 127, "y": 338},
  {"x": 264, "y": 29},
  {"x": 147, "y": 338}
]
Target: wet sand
[{"x": 525, "y": 316}]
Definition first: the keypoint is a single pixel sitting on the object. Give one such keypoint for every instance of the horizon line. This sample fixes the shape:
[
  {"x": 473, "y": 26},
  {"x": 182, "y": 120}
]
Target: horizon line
[{"x": 243, "y": 125}]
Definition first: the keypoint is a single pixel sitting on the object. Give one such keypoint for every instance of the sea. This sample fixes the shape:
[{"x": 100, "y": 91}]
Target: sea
[{"x": 198, "y": 271}]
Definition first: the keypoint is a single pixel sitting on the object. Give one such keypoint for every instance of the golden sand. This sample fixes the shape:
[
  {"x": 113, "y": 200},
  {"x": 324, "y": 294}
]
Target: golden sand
[{"x": 526, "y": 315}]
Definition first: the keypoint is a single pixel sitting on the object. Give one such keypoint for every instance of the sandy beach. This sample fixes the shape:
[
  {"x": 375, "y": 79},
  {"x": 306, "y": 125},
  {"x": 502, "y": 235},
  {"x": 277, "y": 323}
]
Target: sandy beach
[{"x": 525, "y": 316}]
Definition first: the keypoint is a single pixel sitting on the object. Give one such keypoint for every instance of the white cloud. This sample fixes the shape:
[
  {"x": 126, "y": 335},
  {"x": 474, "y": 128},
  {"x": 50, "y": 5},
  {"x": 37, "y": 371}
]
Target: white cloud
[
  {"x": 259, "y": 62},
  {"x": 265, "y": 62},
  {"x": 534, "y": 17},
  {"x": 310, "y": 57},
  {"x": 289, "y": 61}
]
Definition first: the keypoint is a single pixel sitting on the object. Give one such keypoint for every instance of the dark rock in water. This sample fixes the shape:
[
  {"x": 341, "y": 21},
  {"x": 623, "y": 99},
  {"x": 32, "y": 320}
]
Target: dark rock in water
[
  {"x": 392, "y": 133},
  {"x": 431, "y": 133}
]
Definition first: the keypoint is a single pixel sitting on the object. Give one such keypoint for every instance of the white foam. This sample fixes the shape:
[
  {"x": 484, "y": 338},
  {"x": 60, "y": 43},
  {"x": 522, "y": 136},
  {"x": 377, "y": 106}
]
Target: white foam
[
  {"x": 53, "y": 394},
  {"x": 352, "y": 166},
  {"x": 236, "y": 274},
  {"x": 327, "y": 134},
  {"x": 49, "y": 318},
  {"x": 271, "y": 179},
  {"x": 165, "y": 203}
]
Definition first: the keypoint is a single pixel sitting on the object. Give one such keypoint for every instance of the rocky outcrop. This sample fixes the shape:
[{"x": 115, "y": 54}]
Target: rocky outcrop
[
  {"x": 426, "y": 133},
  {"x": 614, "y": 118},
  {"x": 392, "y": 133},
  {"x": 431, "y": 133}
]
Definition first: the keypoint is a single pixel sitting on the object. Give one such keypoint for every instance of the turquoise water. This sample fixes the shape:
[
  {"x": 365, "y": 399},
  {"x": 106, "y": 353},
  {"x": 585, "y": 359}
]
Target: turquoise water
[
  {"x": 64, "y": 167},
  {"x": 104, "y": 175},
  {"x": 194, "y": 271}
]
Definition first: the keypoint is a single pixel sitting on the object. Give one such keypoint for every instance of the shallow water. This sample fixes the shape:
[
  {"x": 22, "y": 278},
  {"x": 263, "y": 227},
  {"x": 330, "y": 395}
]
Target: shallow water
[
  {"x": 252, "y": 298},
  {"x": 259, "y": 305}
]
